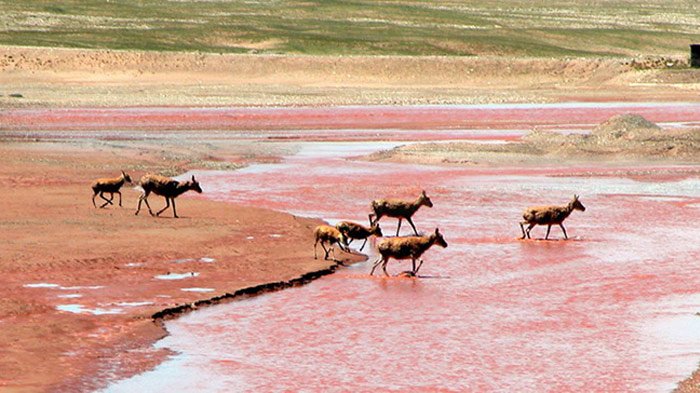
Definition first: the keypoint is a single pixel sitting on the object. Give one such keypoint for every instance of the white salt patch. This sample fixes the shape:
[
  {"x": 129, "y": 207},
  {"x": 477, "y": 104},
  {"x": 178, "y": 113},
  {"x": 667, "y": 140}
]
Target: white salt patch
[
  {"x": 81, "y": 287},
  {"x": 134, "y": 304},
  {"x": 197, "y": 289},
  {"x": 134, "y": 264},
  {"x": 165, "y": 296},
  {"x": 186, "y": 260},
  {"x": 275, "y": 235},
  {"x": 176, "y": 276},
  {"x": 70, "y": 296},
  {"x": 183, "y": 260},
  {"x": 250, "y": 238},
  {"x": 80, "y": 309},
  {"x": 40, "y": 285}
]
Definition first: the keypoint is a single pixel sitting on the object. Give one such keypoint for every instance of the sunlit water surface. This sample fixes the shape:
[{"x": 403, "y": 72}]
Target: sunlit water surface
[{"x": 612, "y": 309}]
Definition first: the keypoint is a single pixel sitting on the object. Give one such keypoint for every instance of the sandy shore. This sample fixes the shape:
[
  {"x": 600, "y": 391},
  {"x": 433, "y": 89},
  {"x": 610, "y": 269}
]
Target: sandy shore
[{"x": 59, "y": 252}]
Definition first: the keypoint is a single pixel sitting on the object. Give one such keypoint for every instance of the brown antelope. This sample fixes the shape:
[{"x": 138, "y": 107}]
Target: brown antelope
[
  {"x": 110, "y": 185},
  {"x": 167, "y": 188},
  {"x": 398, "y": 209},
  {"x": 549, "y": 215},
  {"x": 328, "y": 234},
  {"x": 352, "y": 231},
  {"x": 408, "y": 247}
]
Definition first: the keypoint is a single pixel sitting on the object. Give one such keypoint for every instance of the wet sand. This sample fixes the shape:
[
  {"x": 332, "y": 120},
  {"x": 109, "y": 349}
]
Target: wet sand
[{"x": 79, "y": 284}]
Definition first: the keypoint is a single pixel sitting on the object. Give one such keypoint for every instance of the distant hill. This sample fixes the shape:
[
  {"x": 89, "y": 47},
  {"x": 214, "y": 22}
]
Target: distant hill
[{"x": 519, "y": 28}]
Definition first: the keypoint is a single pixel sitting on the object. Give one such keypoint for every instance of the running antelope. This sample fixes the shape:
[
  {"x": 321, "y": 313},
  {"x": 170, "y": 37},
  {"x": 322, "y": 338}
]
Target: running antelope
[
  {"x": 352, "y": 231},
  {"x": 167, "y": 188},
  {"x": 110, "y": 185},
  {"x": 398, "y": 209},
  {"x": 328, "y": 234},
  {"x": 409, "y": 247},
  {"x": 549, "y": 215}
]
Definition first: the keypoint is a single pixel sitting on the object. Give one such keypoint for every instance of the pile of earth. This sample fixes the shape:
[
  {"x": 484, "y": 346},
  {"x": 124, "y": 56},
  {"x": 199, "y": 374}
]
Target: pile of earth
[
  {"x": 627, "y": 135},
  {"x": 624, "y": 137}
]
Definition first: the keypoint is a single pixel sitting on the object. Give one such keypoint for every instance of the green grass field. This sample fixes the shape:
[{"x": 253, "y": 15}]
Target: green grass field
[{"x": 362, "y": 27}]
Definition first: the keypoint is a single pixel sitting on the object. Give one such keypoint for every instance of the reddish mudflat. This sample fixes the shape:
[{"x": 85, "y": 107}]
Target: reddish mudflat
[
  {"x": 509, "y": 116},
  {"x": 611, "y": 309}
]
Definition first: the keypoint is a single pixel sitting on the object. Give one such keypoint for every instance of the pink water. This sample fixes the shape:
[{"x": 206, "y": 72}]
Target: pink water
[{"x": 612, "y": 309}]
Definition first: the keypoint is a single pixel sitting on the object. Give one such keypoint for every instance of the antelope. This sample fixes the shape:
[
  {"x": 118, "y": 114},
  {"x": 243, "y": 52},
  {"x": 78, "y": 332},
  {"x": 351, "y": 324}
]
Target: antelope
[
  {"x": 408, "y": 247},
  {"x": 110, "y": 185},
  {"x": 352, "y": 231},
  {"x": 167, "y": 188},
  {"x": 398, "y": 209},
  {"x": 549, "y": 215},
  {"x": 328, "y": 234}
]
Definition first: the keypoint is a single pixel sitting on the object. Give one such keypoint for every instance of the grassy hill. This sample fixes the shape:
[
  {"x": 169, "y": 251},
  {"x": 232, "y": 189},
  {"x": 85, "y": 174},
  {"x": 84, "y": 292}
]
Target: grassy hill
[{"x": 369, "y": 27}]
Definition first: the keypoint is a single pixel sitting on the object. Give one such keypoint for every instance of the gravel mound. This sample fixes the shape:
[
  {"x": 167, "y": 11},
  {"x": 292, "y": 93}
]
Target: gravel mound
[
  {"x": 628, "y": 135},
  {"x": 626, "y": 127},
  {"x": 624, "y": 137}
]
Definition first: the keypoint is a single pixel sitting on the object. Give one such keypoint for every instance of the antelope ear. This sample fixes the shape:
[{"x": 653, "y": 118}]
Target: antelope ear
[
  {"x": 575, "y": 196},
  {"x": 437, "y": 231},
  {"x": 423, "y": 192},
  {"x": 193, "y": 178}
]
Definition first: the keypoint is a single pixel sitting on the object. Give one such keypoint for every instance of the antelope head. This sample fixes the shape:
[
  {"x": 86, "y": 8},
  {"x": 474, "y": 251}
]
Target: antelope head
[
  {"x": 424, "y": 200},
  {"x": 376, "y": 230},
  {"x": 194, "y": 185},
  {"x": 439, "y": 240},
  {"x": 577, "y": 205},
  {"x": 126, "y": 177}
]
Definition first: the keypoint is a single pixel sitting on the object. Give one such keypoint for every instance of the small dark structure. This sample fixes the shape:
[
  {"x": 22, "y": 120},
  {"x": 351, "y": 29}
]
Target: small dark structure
[{"x": 695, "y": 55}]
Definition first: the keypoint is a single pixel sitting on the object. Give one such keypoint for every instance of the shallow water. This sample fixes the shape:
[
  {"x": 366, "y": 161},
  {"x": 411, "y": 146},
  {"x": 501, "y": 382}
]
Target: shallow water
[{"x": 612, "y": 309}]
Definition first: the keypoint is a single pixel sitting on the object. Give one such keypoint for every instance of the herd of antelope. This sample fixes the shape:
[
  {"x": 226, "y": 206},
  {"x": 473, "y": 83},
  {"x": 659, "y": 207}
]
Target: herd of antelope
[
  {"x": 413, "y": 247},
  {"x": 160, "y": 185},
  {"x": 344, "y": 232}
]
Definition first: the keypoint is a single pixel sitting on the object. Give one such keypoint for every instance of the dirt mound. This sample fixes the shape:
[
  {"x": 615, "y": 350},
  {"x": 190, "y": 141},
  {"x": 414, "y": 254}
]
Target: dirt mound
[
  {"x": 628, "y": 127},
  {"x": 624, "y": 137},
  {"x": 627, "y": 136}
]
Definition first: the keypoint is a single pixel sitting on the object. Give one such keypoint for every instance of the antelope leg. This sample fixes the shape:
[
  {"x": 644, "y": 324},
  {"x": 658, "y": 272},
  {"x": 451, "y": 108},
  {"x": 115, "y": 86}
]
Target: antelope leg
[
  {"x": 174, "y": 211},
  {"x": 529, "y": 228},
  {"x": 376, "y": 264},
  {"x": 418, "y": 268},
  {"x": 563, "y": 230},
  {"x": 325, "y": 250},
  {"x": 167, "y": 205},
  {"x": 412, "y": 226},
  {"x": 145, "y": 199},
  {"x": 363, "y": 244},
  {"x": 107, "y": 201}
]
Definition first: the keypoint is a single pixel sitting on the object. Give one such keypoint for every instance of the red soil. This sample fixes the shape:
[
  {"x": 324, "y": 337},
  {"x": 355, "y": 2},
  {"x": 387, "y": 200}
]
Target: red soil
[{"x": 169, "y": 118}]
